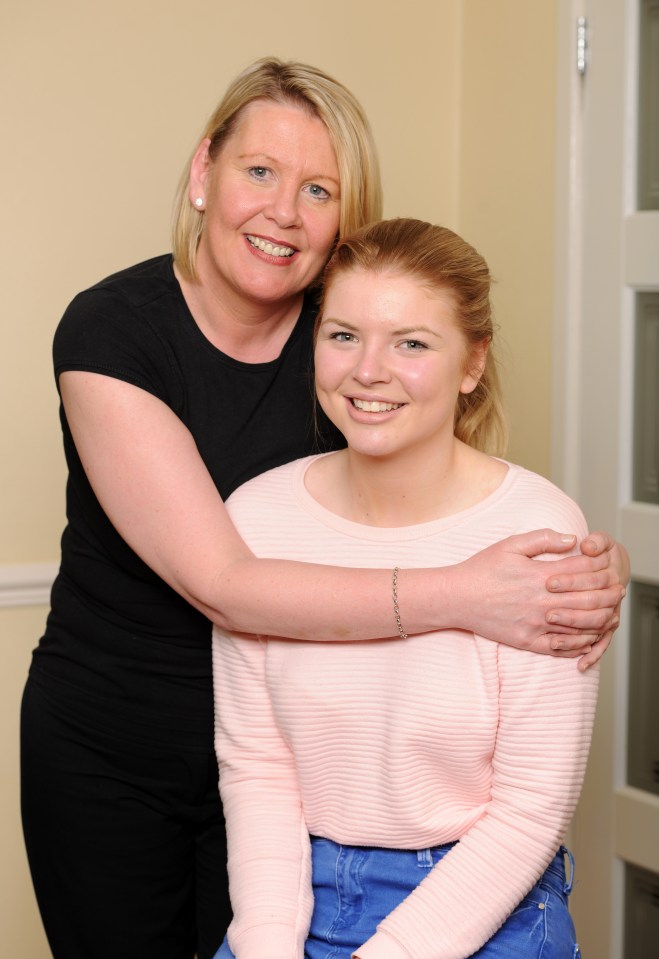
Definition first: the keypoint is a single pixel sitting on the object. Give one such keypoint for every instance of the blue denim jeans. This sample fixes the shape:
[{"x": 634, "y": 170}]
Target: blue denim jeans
[{"x": 355, "y": 887}]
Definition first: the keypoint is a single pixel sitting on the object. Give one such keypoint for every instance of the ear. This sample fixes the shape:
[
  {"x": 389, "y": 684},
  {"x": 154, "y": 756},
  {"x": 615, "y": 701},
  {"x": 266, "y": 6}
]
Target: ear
[
  {"x": 199, "y": 170},
  {"x": 475, "y": 366}
]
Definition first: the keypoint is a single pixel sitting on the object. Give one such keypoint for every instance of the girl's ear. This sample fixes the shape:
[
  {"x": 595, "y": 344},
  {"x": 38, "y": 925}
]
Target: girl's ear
[{"x": 475, "y": 366}]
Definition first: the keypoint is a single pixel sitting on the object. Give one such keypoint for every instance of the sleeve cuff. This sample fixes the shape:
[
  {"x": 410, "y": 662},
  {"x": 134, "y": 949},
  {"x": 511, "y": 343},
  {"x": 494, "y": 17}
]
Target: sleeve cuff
[
  {"x": 270, "y": 940},
  {"x": 381, "y": 946}
]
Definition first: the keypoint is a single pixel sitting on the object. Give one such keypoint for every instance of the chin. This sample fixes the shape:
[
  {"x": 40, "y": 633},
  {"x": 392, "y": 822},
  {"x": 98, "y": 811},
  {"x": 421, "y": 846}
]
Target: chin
[{"x": 377, "y": 452}]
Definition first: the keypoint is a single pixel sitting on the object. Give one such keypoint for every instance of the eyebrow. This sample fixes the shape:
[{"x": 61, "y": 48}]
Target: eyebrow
[
  {"x": 269, "y": 159},
  {"x": 406, "y": 330},
  {"x": 402, "y": 331}
]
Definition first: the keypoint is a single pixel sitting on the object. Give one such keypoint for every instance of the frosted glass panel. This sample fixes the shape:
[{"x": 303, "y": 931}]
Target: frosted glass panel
[
  {"x": 641, "y": 914},
  {"x": 643, "y": 745},
  {"x": 646, "y": 399},
  {"x": 648, "y": 107}
]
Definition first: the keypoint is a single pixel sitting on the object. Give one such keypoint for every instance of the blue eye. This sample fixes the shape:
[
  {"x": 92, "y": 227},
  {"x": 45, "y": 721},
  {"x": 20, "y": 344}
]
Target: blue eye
[
  {"x": 258, "y": 172},
  {"x": 317, "y": 191},
  {"x": 342, "y": 337},
  {"x": 414, "y": 346}
]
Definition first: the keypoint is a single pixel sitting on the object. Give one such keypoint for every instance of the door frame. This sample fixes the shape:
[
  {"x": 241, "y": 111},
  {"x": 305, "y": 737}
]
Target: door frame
[{"x": 592, "y": 416}]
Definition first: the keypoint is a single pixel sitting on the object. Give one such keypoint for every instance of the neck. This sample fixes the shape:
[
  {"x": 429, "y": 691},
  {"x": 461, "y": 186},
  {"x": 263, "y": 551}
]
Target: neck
[
  {"x": 404, "y": 490},
  {"x": 398, "y": 490},
  {"x": 248, "y": 330}
]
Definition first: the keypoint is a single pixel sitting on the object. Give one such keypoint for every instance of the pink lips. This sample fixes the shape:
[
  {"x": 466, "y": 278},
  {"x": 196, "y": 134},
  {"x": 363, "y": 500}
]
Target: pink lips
[{"x": 275, "y": 251}]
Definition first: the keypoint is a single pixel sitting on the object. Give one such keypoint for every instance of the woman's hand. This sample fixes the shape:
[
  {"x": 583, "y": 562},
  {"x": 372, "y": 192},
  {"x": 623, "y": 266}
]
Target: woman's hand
[
  {"x": 596, "y": 544},
  {"x": 573, "y": 612}
]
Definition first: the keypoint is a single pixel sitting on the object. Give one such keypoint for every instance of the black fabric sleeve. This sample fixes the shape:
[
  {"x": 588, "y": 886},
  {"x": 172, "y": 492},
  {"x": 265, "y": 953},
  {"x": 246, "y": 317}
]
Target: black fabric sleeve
[{"x": 102, "y": 332}]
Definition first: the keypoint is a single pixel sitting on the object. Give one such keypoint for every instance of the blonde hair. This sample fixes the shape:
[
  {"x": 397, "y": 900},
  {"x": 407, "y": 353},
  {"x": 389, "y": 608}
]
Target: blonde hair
[
  {"x": 441, "y": 261},
  {"x": 311, "y": 89}
]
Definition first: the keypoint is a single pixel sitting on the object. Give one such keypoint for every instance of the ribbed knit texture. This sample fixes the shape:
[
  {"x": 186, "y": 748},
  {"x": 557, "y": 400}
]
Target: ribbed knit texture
[{"x": 400, "y": 744}]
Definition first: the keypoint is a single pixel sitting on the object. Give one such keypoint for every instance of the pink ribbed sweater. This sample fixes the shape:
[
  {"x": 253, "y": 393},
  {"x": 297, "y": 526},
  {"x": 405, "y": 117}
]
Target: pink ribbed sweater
[{"x": 401, "y": 744}]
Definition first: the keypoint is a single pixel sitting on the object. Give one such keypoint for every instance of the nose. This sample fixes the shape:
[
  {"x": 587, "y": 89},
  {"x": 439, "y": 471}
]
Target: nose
[
  {"x": 283, "y": 207},
  {"x": 371, "y": 366}
]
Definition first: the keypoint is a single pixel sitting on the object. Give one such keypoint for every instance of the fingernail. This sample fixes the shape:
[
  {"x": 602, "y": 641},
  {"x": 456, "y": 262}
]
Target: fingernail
[
  {"x": 552, "y": 618},
  {"x": 554, "y": 584},
  {"x": 565, "y": 538}
]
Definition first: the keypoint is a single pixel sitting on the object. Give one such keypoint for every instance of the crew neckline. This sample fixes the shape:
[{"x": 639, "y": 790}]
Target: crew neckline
[
  {"x": 305, "y": 315},
  {"x": 387, "y": 533}
]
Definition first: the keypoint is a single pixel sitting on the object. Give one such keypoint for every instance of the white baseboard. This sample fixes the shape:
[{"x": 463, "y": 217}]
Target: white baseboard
[{"x": 26, "y": 584}]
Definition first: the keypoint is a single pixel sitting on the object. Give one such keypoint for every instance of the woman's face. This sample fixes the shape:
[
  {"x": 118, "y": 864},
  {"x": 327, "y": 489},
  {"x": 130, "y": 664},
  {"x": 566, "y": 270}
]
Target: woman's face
[
  {"x": 271, "y": 200},
  {"x": 391, "y": 362}
]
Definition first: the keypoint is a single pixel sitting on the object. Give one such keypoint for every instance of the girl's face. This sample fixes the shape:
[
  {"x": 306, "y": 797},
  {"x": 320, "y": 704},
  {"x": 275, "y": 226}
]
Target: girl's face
[
  {"x": 271, "y": 200},
  {"x": 391, "y": 362}
]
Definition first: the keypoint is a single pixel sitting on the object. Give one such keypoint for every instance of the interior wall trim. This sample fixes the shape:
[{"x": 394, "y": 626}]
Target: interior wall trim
[{"x": 26, "y": 584}]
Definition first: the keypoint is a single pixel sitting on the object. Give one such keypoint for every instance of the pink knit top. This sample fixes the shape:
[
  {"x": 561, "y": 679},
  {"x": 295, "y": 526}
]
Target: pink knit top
[{"x": 401, "y": 744}]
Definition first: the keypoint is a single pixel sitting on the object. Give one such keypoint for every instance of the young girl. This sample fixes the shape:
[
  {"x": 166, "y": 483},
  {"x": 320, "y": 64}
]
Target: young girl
[{"x": 436, "y": 776}]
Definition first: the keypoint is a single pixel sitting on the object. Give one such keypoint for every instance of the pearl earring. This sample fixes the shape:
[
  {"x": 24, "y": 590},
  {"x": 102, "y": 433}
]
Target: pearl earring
[{"x": 199, "y": 202}]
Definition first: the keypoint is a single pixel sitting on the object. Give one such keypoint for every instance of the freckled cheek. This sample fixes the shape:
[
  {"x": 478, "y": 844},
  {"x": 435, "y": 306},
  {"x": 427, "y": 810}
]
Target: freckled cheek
[
  {"x": 331, "y": 383},
  {"x": 244, "y": 211},
  {"x": 413, "y": 378},
  {"x": 322, "y": 231},
  {"x": 233, "y": 207},
  {"x": 327, "y": 379}
]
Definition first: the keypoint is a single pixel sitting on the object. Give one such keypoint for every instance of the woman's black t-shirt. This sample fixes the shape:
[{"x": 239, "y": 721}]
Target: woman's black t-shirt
[{"x": 119, "y": 641}]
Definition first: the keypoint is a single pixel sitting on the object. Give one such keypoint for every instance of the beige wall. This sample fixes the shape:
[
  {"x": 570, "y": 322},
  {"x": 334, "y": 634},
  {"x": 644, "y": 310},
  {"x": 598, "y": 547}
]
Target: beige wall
[
  {"x": 101, "y": 105},
  {"x": 506, "y": 189},
  {"x": 21, "y": 932}
]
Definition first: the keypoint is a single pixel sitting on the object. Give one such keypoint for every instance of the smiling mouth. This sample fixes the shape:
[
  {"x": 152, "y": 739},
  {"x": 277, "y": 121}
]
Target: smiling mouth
[
  {"x": 270, "y": 248},
  {"x": 373, "y": 406}
]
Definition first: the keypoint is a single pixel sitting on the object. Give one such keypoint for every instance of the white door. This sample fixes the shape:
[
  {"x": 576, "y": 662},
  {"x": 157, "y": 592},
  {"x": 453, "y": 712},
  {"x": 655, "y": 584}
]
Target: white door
[{"x": 606, "y": 447}]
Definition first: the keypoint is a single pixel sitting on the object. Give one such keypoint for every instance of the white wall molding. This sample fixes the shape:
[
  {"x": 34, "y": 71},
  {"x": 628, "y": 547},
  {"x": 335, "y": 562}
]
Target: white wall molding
[
  {"x": 26, "y": 584},
  {"x": 567, "y": 342}
]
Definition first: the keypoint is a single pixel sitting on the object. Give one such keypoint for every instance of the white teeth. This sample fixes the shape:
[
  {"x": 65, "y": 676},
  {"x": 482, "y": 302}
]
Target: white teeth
[
  {"x": 269, "y": 248},
  {"x": 374, "y": 407}
]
